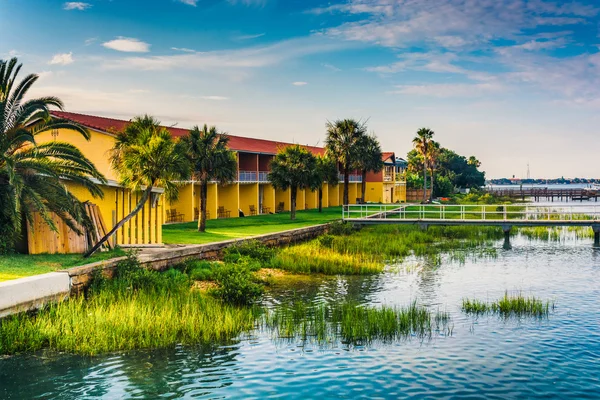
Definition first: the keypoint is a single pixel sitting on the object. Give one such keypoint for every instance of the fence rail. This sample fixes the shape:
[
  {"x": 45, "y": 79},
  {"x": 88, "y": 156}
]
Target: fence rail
[{"x": 513, "y": 213}]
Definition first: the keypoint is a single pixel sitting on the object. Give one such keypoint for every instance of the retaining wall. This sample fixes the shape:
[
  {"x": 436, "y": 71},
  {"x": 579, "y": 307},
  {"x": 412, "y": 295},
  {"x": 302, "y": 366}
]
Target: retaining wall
[{"x": 33, "y": 292}]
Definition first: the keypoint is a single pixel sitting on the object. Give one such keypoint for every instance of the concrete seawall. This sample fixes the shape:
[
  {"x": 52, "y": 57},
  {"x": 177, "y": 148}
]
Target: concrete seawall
[{"x": 34, "y": 292}]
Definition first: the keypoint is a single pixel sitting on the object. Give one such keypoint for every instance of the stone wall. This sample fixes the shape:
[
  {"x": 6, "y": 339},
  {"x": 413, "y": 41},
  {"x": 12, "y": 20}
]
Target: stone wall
[{"x": 163, "y": 258}]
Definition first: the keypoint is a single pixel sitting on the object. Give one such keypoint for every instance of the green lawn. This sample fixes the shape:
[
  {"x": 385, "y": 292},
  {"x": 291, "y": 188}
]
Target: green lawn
[
  {"x": 22, "y": 265},
  {"x": 233, "y": 228}
]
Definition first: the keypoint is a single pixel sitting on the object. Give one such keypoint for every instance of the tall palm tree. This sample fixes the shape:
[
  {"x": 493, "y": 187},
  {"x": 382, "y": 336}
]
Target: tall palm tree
[
  {"x": 33, "y": 176},
  {"x": 433, "y": 154},
  {"x": 145, "y": 156},
  {"x": 368, "y": 158},
  {"x": 327, "y": 172},
  {"x": 421, "y": 144},
  {"x": 210, "y": 159},
  {"x": 342, "y": 138},
  {"x": 294, "y": 167}
]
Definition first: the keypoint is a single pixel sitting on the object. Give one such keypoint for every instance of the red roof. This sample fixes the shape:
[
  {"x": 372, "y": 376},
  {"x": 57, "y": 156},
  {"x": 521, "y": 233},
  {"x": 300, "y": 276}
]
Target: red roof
[
  {"x": 237, "y": 143},
  {"x": 386, "y": 155}
]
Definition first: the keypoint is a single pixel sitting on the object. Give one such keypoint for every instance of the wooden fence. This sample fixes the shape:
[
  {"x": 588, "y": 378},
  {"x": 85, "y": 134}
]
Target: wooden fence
[
  {"x": 42, "y": 239},
  {"x": 413, "y": 195}
]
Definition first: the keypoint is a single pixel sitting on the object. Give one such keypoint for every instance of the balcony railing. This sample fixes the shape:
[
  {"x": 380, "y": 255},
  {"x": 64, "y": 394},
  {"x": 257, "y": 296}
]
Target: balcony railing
[
  {"x": 388, "y": 177},
  {"x": 263, "y": 176},
  {"x": 247, "y": 176},
  {"x": 352, "y": 178}
]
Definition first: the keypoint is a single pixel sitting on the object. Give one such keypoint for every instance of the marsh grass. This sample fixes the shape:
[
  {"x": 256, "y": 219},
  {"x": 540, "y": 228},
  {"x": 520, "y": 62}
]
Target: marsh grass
[
  {"x": 141, "y": 309},
  {"x": 557, "y": 234},
  {"x": 353, "y": 323},
  {"x": 509, "y": 305}
]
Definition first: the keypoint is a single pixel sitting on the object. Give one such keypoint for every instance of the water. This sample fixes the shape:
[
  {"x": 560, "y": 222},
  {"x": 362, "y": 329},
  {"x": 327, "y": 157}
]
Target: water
[{"x": 488, "y": 356}]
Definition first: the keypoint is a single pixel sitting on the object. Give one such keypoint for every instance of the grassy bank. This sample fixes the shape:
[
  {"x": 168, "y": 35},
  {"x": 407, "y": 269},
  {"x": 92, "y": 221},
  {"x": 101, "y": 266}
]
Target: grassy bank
[
  {"x": 21, "y": 265},
  {"x": 235, "y": 228}
]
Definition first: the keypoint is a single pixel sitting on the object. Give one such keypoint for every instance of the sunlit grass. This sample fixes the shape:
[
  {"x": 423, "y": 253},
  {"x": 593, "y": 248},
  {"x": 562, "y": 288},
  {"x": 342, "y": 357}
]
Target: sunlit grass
[{"x": 508, "y": 305}]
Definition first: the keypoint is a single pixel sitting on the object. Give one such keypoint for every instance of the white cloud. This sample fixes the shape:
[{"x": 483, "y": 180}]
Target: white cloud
[
  {"x": 331, "y": 67},
  {"x": 90, "y": 41},
  {"x": 189, "y": 2},
  {"x": 129, "y": 45},
  {"x": 183, "y": 49},
  {"x": 76, "y": 5},
  {"x": 14, "y": 53},
  {"x": 44, "y": 75},
  {"x": 216, "y": 98},
  {"x": 299, "y": 83},
  {"x": 62, "y": 59}
]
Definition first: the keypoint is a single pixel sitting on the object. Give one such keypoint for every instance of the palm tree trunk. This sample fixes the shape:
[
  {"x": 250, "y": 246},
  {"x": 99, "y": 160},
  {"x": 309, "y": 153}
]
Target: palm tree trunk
[
  {"x": 432, "y": 177},
  {"x": 293, "y": 189},
  {"x": 321, "y": 199},
  {"x": 346, "y": 183},
  {"x": 363, "y": 186},
  {"x": 137, "y": 209},
  {"x": 424, "y": 183},
  {"x": 203, "y": 195}
]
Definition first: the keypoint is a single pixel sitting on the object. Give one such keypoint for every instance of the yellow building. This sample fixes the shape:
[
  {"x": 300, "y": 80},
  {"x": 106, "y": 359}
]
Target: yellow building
[{"x": 251, "y": 192}]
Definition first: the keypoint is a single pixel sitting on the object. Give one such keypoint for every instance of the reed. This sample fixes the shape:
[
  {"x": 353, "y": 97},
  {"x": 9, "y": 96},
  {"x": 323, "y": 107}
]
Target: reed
[
  {"x": 556, "y": 234},
  {"x": 353, "y": 323},
  {"x": 509, "y": 305}
]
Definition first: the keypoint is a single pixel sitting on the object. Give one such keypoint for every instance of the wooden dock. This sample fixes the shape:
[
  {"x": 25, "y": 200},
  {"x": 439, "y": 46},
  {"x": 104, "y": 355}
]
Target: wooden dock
[{"x": 537, "y": 194}]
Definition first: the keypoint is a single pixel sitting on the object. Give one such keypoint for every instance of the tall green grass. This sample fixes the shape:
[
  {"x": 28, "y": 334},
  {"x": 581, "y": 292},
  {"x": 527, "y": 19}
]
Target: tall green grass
[
  {"x": 509, "y": 305},
  {"x": 142, "y": 309},
  {"x": 353, "y": 323},
  {"x": 556, "y": 234}
]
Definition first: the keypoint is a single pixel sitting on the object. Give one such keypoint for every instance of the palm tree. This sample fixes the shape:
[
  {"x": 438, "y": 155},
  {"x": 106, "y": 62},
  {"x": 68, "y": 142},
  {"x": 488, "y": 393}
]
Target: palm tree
[
  {"x": 327, "y": 172},
  {"x": 342, "y": 138},
  {"x": 33, "y": 176},
  {"x": 368, "y": 156},
  {"x": 433, "y": 153},
  {"x": 421, "y": 144},
  {"x": 294, "y": 167},
  {"x": 210, "y": 158},
  {"x": 145, "y": 156},
  {"x": 474, "y": 162}
]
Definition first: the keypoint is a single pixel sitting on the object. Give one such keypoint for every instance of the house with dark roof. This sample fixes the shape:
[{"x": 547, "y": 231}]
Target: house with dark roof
[{"x": 251, "y": 192}]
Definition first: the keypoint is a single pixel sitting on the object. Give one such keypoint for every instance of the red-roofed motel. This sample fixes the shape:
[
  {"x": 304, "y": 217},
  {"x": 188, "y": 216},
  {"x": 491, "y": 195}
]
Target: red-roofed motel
[{"x": 250, "y": 193}]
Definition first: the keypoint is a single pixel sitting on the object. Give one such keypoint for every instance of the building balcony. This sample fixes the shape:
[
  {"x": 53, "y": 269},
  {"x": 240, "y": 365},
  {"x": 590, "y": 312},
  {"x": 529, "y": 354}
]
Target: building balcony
[
  {"x": 247, "y": 176},
  {"x": 352, "y": 178},
  {"x": 388, "y": 178},
  {"x": 263, "y": 176}
]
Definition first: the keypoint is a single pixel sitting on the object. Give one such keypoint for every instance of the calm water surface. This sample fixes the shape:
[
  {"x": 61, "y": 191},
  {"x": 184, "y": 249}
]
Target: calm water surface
[{"x": 557, "y": 357}]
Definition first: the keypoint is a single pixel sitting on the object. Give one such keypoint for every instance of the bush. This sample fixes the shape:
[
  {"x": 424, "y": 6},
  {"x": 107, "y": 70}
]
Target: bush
[
  {"x": 326, "y": 240},
  {"x": 236, "y": 284},
  {"x": 339, "y": 228},
  {"x": 252, "y": 249}
]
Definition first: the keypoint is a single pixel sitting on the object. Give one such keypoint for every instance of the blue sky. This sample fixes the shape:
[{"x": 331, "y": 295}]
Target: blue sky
[{"x": 510, "y": 81}]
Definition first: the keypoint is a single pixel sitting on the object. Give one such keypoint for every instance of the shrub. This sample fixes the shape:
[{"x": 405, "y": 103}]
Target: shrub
[
  {"x": 339, "y": 228},
  {"x": 236, "y": 284},
  {"x": 252, "y": 248},
  {"x": 326, "y": 240}
]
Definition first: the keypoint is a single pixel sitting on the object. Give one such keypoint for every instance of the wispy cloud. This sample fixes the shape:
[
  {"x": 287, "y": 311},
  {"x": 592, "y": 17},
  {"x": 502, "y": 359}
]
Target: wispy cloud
[
  {"x": 216, "y": 98},
  {"x": 76, "y": 5},
  {"x": 249, "y": 37},
  {"x": 449, "y": 90},
  {"x": 128, "y": 45},
  {"x": 244, "y": 58},
  {"x": 62, "y": 59},
  {"x": 189, "y": 2},
  {"x": 332, "y": 67},
  {"x": 249, "y": 3},
  {"x": 90, "y": 41},
  {"x": 299, "y": 83},
  {"x": 183, "y": 49}
]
